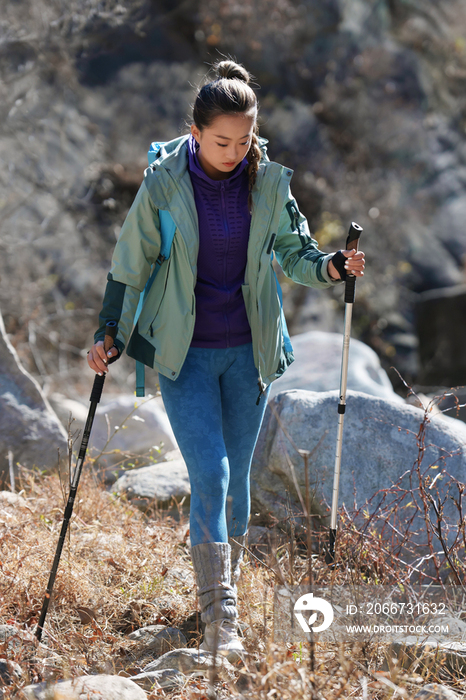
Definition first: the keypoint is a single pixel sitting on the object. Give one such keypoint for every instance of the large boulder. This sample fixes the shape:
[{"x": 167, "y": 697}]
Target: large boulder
[
  {"x": 317, "y": 366},
  {"x": 434, "y": 691},
  {"x": 29, "y": 429},
  {"x": 127, "y": 432},
  {"x": 379, "y": 459},
  {"x": 161, "y": 483},
  {"x": 127, "y": 428},
  {"x": 89, "y": 687}
]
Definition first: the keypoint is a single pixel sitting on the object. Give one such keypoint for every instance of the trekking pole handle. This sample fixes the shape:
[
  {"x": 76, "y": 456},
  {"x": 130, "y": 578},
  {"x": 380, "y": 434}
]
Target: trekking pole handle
[
  {"x": 111, "y": 330},
  {"x": 352, "y": 242}
]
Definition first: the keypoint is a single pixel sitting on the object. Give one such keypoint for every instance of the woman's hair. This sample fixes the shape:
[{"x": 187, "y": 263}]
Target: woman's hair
[{"x": 230, "y": 93}]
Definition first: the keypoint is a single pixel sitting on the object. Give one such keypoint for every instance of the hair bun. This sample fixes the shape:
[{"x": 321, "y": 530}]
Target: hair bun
[{"x": 232, "y": 71}]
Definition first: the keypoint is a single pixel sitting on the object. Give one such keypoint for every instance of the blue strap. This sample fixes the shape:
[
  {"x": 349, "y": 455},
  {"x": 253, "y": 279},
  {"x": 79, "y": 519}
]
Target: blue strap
[{"x": 140, "y": 378}]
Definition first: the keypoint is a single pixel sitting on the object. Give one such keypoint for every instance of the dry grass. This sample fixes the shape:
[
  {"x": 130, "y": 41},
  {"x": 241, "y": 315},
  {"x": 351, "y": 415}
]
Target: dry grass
[{"x": 122, "y": 569}]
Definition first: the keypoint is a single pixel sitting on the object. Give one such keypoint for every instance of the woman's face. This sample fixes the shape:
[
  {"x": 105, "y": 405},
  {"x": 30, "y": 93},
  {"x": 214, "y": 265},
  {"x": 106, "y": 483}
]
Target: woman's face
[{"x": 223, "y": 145}]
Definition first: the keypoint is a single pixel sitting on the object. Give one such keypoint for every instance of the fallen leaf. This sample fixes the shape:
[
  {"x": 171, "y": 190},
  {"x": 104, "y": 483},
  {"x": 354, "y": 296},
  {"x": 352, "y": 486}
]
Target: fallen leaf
[{"x": 86, "y": 615}]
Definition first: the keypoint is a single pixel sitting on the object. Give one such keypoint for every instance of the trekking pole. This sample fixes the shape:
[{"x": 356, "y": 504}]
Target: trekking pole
[
  {"x": 350, "y": 288},
  {"x": 110, "y": 333}
]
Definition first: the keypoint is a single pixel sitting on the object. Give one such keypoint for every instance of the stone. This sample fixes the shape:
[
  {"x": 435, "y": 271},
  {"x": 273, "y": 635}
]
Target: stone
[
  {"x": 448, "y": 227},
  {"x": 166, "y": 678},
  {"x": 13, "y": 500},
  {"x": 428, "y": 653},
  {"x": 379, "y": 450},
  {"x": 128, "y": 430},
  {"x": 358, "y": 19},
  {"x": 161, "y": 482},
  {"x": 441, "y": 331},
  {"x": 264, "y": 541},
  {"x": 87, "y": 688},
  {"x": 456, "y": 627},
  {"x": 435, "y": 691},
  {"x": 158, "y": 639},
  {"x": 190, "y": 661},
  {"x": 425, "y": 250},
  {"x": 317, "y": 366},
  {"x": 15, "y": 637},
  {"x": 29, "y": 427},
  {"x": 65, "y": 408},
  {"x": 10, "y": 671},
  {"x": 445, "y": 646}
]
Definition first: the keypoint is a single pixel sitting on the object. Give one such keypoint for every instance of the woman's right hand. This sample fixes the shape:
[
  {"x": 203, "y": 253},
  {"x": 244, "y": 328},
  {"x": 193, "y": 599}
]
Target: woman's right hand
[{"x": 97, "y": 359}]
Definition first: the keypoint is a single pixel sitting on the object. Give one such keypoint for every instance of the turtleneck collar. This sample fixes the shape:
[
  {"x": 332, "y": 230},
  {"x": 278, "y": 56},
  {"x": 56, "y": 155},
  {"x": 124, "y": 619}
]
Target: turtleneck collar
[{"x": 196, "y": 168}]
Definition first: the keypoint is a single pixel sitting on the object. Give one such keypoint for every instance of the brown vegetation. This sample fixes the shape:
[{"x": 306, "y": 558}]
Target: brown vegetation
[{"x": 122, "y": 570}]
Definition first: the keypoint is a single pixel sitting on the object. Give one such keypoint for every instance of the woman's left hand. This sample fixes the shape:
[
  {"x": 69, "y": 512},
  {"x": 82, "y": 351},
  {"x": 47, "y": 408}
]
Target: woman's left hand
[{"x": 354, "y": 264}]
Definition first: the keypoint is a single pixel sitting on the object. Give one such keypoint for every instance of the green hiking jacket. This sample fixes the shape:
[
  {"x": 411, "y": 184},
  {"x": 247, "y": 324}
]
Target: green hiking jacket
[{"x": 163, "y": 333}]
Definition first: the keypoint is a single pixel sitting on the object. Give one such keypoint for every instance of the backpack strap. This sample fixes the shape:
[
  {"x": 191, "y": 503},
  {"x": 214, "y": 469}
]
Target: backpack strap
[{"x": 167, "y": 232}]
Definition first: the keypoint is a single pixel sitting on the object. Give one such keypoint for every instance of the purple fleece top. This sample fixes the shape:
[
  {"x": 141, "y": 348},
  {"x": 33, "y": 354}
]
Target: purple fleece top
[{"x": 224, "y": 222}]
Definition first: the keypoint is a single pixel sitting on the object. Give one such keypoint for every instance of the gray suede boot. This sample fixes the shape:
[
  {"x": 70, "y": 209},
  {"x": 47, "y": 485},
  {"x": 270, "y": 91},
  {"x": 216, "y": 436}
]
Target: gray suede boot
[{"x": 217, "y": 598}]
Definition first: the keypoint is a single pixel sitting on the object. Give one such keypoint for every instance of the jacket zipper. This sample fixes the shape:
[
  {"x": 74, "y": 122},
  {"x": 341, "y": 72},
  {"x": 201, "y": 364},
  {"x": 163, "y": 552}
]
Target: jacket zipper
[{"x": 271, "y": 242}]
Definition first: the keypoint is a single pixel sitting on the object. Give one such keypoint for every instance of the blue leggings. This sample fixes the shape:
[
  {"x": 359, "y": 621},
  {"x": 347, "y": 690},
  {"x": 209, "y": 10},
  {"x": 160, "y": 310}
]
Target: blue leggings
[{"x": 212, "y": 410}]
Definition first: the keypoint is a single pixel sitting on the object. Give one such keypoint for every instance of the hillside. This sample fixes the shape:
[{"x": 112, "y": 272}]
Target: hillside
[{"x": 364, "y": 99}]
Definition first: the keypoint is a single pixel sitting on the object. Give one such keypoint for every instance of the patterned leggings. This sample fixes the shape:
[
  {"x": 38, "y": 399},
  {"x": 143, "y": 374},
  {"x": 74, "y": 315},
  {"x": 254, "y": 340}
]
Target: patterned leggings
[{"x": 212, "y": 410}]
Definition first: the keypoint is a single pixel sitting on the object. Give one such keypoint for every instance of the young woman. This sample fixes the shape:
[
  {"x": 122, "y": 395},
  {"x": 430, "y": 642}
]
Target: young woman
[{"x": 212, "y": 324}]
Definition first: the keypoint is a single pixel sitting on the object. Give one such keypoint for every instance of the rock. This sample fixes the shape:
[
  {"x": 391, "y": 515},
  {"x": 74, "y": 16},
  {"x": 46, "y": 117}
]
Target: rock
[
  {"x": 317, "y": 366},
  {"x": 456, "y": 627},
  {"x": 13, "y": 509},
  {"x": 29, "y": 427},
  {"x": 167, "y": 678},
  {"x": 15, "y": 637},
  {"x": 441, "y": 331},
  {"x": 290, "y": 115},
  {"x": 14, "y": 500},
  {"x": 357, "y": 18},
  {"x": 429, "y": 652},
  {"x": 160, "y": 482},
  {"x": 443, "y": 647},
  {"x": 139, "y": 430},
  {"x": 189, "y": 661},
  {"x": 10, "y": 671},
  {"x": 424, "y": 253},
  {"x": 379, "y": 446},
  {"x": 158, "y": 639},
  {"x": 434, "y": 691},
  {"x": 87, "y": 688},
  {"x": 263, "y": 541},
  {"x": 374, "y": 75},
  {"x": 448, "y": 226},
  {"x": 65, "y": 408}
]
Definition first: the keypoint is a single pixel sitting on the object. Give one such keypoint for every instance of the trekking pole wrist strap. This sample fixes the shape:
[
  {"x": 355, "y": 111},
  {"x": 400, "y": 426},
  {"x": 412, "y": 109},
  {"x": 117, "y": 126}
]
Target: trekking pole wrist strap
[{"x": 338, "y": 261}]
